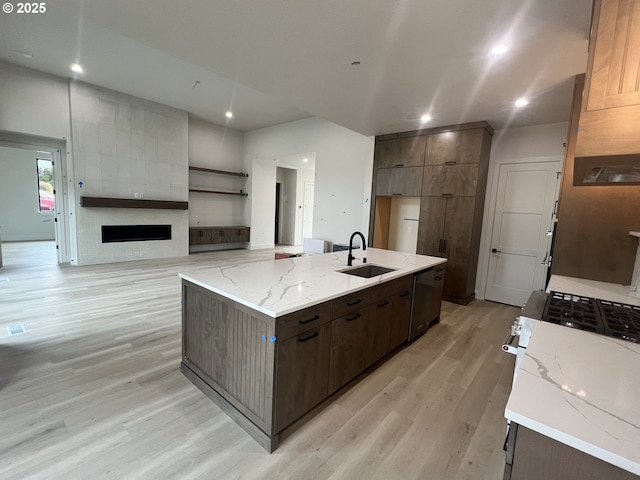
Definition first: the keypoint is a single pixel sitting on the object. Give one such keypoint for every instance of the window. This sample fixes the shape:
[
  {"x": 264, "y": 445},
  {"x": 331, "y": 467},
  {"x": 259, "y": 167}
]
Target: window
[{"x": 46, "y": 200}]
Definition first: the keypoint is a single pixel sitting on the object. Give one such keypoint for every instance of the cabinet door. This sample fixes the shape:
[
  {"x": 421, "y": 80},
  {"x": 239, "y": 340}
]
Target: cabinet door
[
  {"x": 400, "y": 316},
  {"x": 431, "y": 225},
  {"x": 400, "y": 152},
  {"x": 459, "y": 180},
  {"x": 462, "y": 146},
  {"x": 379, "y": 328},
  {"x": 194, "y": 237},
  {"x": 302, "y": 374},
  {"x": 457, "y": 246},
  {"x": 399, "y": 181},
  {"x": 348, "y": 348}
]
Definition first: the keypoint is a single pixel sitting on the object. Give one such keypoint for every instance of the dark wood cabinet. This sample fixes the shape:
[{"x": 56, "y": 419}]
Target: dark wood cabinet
[
  {"x": 400, "y": 152},
  {"x": 218, "y": 235},
  {"x": 535, "y": 456},
  {"x": 458, "y": 180},
  {"x": 399, "y": 181},
  {"x": 380, "y": 319},
  {"x": 302, "y": 374},
  {"x": 348, "y": 347},
  {"x": 400, "y": 317},
  {"x": 446, "y": 230},
  {"x": 455, "y": 146},
  {"x": 452, "y": 189},
  {"x": 267, "y": 372}
]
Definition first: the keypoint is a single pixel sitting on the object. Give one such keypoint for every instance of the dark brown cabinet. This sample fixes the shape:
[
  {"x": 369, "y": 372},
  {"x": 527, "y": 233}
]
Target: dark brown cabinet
[
  {"x": 446, "y": 230},
  {"x": 379, "y": 329},
  {"x": 400, "y": 316},
  {"x": 302, "y": 374},
  {"x": 348, "y": 348},
  {"x": 452, "y": 186},
  {"x": 400, "y": 152},
  {"x": 218, "y": 235},
  {"x": 399, "y": 181},
  {"x": 458, "y": 180},
  {"x": 455, "y": 146}
]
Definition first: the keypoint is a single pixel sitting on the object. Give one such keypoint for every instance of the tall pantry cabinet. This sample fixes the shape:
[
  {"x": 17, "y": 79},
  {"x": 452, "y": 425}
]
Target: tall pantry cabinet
[{"x": 450, "y": 165}]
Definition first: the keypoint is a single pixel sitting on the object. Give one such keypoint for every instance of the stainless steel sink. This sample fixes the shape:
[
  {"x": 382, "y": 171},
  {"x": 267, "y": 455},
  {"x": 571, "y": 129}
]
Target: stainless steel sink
[{"x": 367, "y": 271}]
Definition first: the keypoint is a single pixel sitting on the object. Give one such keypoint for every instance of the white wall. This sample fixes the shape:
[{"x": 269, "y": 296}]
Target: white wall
[
  {"x": 344, "y": 165},
  {"x": 515, "y": 145},
  {"x": 33, "y": 102},
  {"x": 124, "y": 145},
  {"x": 19, "y": 216},
  {"x": 220, "y": 148}
]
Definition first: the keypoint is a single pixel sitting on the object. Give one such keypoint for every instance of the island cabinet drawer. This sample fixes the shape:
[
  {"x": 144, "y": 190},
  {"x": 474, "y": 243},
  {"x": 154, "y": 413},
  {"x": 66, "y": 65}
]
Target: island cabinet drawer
[
  {"x": 294, "y": 323},
  {"x": 355, "y": 301},
  {"x": 403, "y": 284}
]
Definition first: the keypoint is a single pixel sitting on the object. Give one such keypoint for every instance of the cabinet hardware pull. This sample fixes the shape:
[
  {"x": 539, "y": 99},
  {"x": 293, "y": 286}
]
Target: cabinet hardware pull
[
  {"x": 396, "y": 194},
  {"x": 399, "y": 165},
  {"x": 350, "y": 319},
  {"x": 354, "y": 303},
  {"x": 313, "y": 335},
  {"x": 315, "y": 317},
  {"x": 404, "y": 294},
  {"x": 447, "y": 194},
  {"x": 438, "y": 278},
  {"x": 440, "y": 250},
  {"x": 384, "y": 304},
  {"x": 444, "y": 245},
  {"x": 451, "y": 162}
]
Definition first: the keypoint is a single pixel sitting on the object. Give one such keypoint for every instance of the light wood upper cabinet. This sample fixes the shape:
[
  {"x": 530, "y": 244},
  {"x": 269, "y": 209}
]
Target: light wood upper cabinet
[
  {"x": 610, "y": 117},
  {"x": 400, "y": 152}
]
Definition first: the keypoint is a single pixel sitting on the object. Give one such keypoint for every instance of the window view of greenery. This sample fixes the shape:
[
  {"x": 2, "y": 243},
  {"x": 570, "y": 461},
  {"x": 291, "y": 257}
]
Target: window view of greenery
[{"x": 45, "y": 185}]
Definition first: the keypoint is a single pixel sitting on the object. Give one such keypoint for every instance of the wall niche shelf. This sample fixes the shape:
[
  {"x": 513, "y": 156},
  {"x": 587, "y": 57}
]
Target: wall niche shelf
[{"x": 218, "y": 172}]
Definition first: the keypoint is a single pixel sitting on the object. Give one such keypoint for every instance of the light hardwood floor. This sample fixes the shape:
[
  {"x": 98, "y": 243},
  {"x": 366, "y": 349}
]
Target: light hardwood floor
[{"x": 93, "y": 389}]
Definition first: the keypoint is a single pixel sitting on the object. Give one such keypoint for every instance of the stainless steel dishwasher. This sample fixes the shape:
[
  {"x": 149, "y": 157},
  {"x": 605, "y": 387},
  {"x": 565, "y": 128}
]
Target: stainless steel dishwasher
[{"x": 426, "y": 300}]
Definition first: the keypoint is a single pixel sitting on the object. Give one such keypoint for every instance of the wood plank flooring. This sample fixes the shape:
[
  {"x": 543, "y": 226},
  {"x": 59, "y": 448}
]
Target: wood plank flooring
[{"x": 93, "y": 389}]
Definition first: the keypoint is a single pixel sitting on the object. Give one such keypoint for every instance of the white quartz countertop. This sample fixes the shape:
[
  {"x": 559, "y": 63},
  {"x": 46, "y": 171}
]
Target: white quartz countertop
[
  {"x": 278, "y": 287},
  {"x": 583, "y": 390},
  {"x": 592, "y": 288}
]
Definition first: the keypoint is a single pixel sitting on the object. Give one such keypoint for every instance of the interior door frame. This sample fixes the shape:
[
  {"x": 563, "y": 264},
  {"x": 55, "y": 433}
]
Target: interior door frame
[
  {"x": 489, "y": 214},
  {"x": 57, "y": 148}
]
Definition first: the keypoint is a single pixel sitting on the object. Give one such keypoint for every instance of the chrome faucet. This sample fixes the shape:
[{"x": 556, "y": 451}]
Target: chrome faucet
[{"x": 351, "y": 258}]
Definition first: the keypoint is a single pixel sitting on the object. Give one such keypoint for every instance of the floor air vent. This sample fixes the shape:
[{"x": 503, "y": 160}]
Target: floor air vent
[{"x": 16, "y": 329}]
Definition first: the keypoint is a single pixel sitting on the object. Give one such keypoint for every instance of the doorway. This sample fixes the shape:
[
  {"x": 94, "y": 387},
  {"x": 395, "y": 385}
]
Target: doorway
[
  {"x": 32, "y": 205},
  {"x": 522, "y": 230}
]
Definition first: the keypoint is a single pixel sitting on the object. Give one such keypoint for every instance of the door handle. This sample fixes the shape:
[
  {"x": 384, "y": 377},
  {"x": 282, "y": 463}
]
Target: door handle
[{"x": 495, "y": 250}]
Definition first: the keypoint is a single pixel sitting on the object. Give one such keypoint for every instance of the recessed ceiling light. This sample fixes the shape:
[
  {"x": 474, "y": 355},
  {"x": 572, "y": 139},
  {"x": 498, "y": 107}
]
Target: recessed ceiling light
[
  {"x": 76, "y": 67},
  {"x": 305, "y": 160},
  {"x": 521, "y": 102},
  {"x": 425, "y": 118},
  {"x": 499, "y": 49},
  {"x": 229, "y": 114},
  {"x": 27, "y": 54}
]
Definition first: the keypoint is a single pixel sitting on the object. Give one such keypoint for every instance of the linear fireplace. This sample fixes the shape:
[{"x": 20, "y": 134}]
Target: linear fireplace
[{"x": 135, "y": 233}]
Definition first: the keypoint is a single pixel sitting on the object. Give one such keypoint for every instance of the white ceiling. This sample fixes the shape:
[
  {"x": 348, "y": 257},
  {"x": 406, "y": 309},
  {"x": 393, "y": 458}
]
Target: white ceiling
[{"x": 275, "y": 61}]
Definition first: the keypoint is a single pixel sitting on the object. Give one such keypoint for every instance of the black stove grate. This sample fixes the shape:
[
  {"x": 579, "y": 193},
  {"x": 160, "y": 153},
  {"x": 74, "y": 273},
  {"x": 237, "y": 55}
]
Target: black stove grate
[
  {"x": 620, "y": 320},
  {"x": 573, "y": 311}
]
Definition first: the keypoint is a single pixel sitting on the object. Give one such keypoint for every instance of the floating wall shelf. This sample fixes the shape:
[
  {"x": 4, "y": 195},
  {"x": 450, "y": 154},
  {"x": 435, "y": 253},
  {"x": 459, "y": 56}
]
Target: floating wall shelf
[
  {"x": 220, "y": 172},
  {"x": 202, "y": 190},
  {"x": 106, "y": 202}
]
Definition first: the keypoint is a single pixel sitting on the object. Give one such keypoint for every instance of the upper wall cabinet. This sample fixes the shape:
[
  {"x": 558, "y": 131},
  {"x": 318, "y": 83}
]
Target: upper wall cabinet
[
  {"x": 400, "y": 152},
  {"x": 610, "y": 117},
  {"x": 450, "y": 148}
]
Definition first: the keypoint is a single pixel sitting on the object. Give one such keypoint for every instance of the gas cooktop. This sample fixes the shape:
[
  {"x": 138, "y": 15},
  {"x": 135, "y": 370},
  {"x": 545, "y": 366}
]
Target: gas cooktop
[{"x": 604, "y": 317}]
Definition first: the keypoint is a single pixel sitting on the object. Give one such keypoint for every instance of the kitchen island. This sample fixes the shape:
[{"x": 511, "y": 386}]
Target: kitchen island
[
  {"x": 575, "y": 400},
  {"x": 268, "y": 341}
]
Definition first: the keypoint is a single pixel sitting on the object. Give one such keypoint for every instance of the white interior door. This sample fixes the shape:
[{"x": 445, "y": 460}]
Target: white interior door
[{"x": 522, "y": 224}]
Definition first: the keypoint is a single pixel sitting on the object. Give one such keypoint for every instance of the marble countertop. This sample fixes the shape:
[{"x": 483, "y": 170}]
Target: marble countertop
[
  {"x": 592, "y": 288},
  {"x": 583, "y": 390},
  {"x": 278, "y": 287}
]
